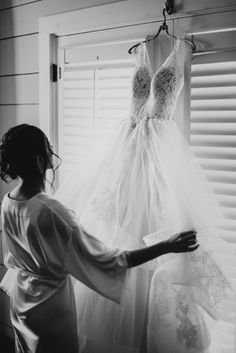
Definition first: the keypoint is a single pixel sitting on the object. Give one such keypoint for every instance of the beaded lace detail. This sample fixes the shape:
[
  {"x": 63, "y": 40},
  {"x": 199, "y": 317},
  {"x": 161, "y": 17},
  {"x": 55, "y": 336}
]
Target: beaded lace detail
[{"x": 141, "y": 84}]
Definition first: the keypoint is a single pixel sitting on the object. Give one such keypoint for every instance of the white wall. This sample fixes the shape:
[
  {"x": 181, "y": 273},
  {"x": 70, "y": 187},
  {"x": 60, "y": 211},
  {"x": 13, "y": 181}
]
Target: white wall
[{"x": 19, "y": 65}]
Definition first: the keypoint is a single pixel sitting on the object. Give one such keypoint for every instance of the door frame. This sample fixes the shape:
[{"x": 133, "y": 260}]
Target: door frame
[{"x": 122, "y": 14}]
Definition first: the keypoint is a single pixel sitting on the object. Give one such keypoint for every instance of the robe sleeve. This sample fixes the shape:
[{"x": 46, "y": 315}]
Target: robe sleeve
[{"x": 98, "y": 267}]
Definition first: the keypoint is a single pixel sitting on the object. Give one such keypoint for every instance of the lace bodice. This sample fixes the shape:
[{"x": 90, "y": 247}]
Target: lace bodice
[
  {"x": 141, "y": 84},
  {"x": 155, "y": 96}
]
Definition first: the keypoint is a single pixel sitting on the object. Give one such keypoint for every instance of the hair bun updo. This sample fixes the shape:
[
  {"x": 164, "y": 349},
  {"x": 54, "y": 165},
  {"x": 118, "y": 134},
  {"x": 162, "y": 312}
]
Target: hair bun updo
[{"x": 19, "y": 148}]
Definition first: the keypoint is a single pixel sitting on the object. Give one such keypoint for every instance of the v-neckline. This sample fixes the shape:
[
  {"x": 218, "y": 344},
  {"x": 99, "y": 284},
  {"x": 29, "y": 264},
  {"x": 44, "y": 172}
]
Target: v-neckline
[{"x": 176, "y": 46}]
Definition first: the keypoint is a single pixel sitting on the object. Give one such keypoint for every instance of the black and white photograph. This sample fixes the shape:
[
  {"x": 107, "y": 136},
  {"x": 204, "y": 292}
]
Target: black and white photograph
[{"x": 118, "y": 176}]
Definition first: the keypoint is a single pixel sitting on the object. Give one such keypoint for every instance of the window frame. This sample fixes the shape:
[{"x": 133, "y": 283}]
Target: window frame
[
  {"x": 123, "y": 16},
  {"x": 70, "y": 56},
  {"x": 122, "y": 19},
  {"x": 86, "y": 21}
]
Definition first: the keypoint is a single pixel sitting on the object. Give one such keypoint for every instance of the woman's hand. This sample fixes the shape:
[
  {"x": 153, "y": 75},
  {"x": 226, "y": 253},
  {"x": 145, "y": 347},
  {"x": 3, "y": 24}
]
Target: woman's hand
[{"x": 182, "y": 242}]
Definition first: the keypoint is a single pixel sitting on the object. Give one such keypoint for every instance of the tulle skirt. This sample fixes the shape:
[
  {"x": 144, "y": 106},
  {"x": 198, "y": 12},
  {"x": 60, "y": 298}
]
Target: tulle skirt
[{"x": 138, "y": 187}]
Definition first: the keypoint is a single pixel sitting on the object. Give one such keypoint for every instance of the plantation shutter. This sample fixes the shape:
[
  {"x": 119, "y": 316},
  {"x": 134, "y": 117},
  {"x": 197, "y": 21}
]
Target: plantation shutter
[
  {"x": 213, "y": 140},
  {"x": 94, "y": 96},
  {"x": 213, "y": 119}
]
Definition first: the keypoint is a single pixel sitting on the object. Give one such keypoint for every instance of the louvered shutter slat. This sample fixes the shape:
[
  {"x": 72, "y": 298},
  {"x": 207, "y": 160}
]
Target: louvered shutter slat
[
  {"x": 218, "y": 164},
  {"x": 227, "y": 224},
  {"x": 226, "y": 116},
  {"x": 73, "y": 123},
  {"x": 75, "y": 112},
  {"x": 224, "y": 189},
  {"x": 229, "y": 212},
  {"x": 215, "y": 152},
  {"x": 228, "y": 236},
  {"x": 213, "y": 92},
  {"x": 221, "y": 176},
  {"x": 212, "y": 104},
  {"x": 80, "y": 103},
  {"x": 78, "y": 93},
  {"x": 213, "y": 81},
  {"x": 213, "y": 140},
  {"x": 72, "y": 73},
  {"x": 218, "y": 68},
  {"x": 121, "y": 83},
  {"x": 213, "y": 129},
  {"x": 95, "y": 96},
  {"x": 78, "y": 84}
]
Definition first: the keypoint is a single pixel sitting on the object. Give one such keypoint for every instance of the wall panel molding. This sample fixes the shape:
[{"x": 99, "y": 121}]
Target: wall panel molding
[
  {"x": 8, "y": 4},
  {"x": 20, "y": 20},
  {"x": 19, "y": 55},
  {"x": 19, "y": 89}
]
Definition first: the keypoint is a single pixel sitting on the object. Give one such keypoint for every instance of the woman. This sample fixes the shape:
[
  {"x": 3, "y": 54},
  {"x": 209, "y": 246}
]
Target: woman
[{"x": 44, "y": 244}]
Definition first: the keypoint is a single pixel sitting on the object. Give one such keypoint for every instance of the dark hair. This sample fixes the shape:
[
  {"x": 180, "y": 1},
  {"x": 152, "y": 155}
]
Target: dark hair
[{"x": 18, "y": 150}]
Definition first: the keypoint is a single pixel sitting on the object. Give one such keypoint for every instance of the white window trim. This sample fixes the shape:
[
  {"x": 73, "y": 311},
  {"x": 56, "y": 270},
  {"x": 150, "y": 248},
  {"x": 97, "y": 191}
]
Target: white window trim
[{"x": 116, "y": 15}]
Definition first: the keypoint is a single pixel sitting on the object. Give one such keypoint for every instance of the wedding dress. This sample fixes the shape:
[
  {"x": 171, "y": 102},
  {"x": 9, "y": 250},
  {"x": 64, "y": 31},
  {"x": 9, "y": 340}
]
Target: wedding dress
[{"x": 140, "y": 186}]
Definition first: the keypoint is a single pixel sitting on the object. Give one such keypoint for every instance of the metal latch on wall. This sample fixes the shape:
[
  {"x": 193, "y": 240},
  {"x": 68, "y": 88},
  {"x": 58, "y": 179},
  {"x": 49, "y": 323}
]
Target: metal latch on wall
[{"x": 55, "y": 73}]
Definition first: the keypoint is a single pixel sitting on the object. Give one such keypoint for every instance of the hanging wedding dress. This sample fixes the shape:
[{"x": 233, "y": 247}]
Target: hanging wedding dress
[{"x": 140, "y": 186}]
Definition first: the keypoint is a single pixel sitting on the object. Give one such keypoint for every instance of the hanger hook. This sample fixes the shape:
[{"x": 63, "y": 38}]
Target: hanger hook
[
  {"x": 164, "y": 14},
  {"x": 169, "y": 9},
  {"x": 169, "y": 6}
]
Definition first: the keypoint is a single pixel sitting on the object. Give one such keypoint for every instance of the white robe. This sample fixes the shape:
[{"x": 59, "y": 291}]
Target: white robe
[{"x": 43, "y": 245}]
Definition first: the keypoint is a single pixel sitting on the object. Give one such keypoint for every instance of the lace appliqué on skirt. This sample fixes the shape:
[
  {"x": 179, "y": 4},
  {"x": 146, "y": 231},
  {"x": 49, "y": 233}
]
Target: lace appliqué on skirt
[
  {"x": 211, "y": 277},
  {"x": 160, "y": 300},
  {"x": 104, "y": 205},
  {"x": 171, "y": 307},
  {"x": 186, "y": 331}
]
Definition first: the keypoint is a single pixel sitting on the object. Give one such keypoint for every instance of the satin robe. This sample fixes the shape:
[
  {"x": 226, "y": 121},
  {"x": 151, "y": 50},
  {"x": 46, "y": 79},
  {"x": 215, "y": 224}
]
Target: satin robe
[{"x": 46, "y": 250}]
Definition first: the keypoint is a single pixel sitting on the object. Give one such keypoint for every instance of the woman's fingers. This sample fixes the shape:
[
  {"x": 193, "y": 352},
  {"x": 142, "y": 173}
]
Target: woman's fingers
[
  {"x": 184, "y": 242},
  {"x": 188, "y": 238},
  {"x": 188, "y": 241},
  {"x": 191, "y": 248},
  {"x": 186, "y": 248},
  {"x": 192, "y": 241},
  {"x": 189, "y": 232}
]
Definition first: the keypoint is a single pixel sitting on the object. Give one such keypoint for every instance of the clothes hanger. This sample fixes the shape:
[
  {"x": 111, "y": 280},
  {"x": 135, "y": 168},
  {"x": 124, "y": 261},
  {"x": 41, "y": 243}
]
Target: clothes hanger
[{"x": 163, "y": 27}]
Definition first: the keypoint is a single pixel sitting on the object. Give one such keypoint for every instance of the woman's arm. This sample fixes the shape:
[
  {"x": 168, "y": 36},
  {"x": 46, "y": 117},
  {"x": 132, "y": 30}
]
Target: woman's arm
[
  {"x": 98, "y": 267},
  {"x": 178, "y": 243}
]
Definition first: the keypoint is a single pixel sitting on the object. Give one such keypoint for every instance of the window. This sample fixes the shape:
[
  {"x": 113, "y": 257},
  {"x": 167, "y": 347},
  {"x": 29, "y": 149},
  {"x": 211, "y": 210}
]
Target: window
[
  {"x": 94, "y": 96},
  {"x": 213, "y": 136},
  {"x": 213, "y": 119}
]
